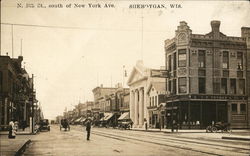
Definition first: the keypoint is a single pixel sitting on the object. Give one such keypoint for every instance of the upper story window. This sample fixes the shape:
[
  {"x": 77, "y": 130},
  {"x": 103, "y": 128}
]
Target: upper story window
[
  {"x": 170, "y": 62},
  {"x": 1, "y": 81},
  {"x": 216, "y": 86},
  {"x": 225, "y": 60},
  {"x": 182, "y": 85},
  {"x": 174, "y": 61},
  {"x": 239, "y": 60},
  {"x": 182, "y": 58},
  {"x": 202, "y": 85},
  {"x": 201, "y": 59},
  {"x": 224, "y": 86},
  {"x": 232, "y": 86},
  {"x": 174, "y": 86},
  {"x": 241, "y": 86}
]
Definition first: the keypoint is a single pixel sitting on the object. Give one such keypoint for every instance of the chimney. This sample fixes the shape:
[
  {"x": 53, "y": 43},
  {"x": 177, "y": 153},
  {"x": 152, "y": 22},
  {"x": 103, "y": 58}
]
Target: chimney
[{"x": 215, "y": 28}]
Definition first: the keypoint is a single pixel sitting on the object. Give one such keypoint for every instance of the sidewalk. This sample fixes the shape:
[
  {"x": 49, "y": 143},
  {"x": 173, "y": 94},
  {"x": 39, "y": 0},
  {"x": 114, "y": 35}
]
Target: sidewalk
[
  {"x": 243, "y": 135},
  {"x": 26, "y": 131},
  {"x": 11, "y": 147}
]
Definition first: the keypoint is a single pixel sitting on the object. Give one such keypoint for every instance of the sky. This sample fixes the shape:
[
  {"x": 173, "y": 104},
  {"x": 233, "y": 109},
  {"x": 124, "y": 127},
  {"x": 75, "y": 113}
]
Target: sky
[{"x": 86, "y": 47}]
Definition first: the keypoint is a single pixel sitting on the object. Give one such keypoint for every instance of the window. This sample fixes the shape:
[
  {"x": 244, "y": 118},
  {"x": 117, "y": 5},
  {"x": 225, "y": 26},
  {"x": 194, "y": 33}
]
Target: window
[
  {"x": 202, "y": 72},
  {"x": 150, "y": 103},
  {"x": 225, "y": 60},
  {"x": 156, "y": 103},
  {"x": 170, "y": 63},
  {"x": 234, "y": 107},
  {"x": 182, "y": 58},
  {"x": 170, "y": 86},
  {"x": 239, "y": 73},
  {"x": 232, "y": 86},
  {"x": 1, "y": 81},
  {"x": 241, "y": 86},
  {"x": 239, "y": 60},
  {"x": 201, "y": 59},
  {"x": 225, "y": 73},
  {"x": 243, "y": 108},
  {"x": 174, "y": 61},
  {"x": 202, "y": 85},
  {"x": 223, "y": 86},
  {"x": 153, "y": 101},
  {"x": 183, "y": 85},
  {"x": 216, "y": 86},
  {"x": 174, "y": 86}
]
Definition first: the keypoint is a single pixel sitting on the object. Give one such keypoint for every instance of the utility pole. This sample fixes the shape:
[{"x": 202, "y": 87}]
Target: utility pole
[{"x": 32, "y": 106}]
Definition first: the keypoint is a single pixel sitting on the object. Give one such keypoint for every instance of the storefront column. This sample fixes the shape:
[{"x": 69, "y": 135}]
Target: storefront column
[
  {"x": 141, "y": 108},
  {"x": 136, "y": 108},
  {"x": 132, "y": 106},
  {"x": 216, "y": 110},
  {"x": 189, "y": 114}
]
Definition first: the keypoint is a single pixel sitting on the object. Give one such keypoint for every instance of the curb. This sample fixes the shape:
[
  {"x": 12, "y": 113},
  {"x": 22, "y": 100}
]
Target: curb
[
  {"x": 22, "y": 149},
  {"x": 147, "y": 130},
  {"x": 236, "y": 138}
]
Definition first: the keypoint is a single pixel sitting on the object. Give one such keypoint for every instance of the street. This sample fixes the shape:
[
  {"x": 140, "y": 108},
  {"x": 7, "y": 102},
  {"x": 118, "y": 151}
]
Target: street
[{"x": 114, "y": 142}]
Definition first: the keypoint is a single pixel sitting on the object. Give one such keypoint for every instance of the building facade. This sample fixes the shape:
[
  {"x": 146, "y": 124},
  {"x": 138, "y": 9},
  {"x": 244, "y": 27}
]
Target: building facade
[
  {"x": 139, "y": 81},
  {"x": 208, "y": 78},
  {"x": 16, "y": 92}
]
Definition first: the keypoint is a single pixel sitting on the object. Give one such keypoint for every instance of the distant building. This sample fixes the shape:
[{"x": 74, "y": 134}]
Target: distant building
[
  {"x": 139, "y": 81},
  {"x": 209, "y": 78},
  {"x": 156, "y": 92}
]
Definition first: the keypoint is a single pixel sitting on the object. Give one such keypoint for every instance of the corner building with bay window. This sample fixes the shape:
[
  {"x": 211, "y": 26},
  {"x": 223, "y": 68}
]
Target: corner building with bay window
[{"x": 208, "y": 78}]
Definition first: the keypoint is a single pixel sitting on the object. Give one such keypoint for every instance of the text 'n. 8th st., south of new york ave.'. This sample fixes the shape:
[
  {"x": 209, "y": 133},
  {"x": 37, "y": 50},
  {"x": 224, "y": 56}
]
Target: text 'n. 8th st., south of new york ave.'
[{"x": 97, "y": 5}]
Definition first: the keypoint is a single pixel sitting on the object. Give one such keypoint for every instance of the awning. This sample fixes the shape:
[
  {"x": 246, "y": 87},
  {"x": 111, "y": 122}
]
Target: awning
[
  {"x": 82, "y": 119},
  {"x": 124, "y": 116},
  {"x": 78, "y": 120},
  {"x": 107, "y": 116}
]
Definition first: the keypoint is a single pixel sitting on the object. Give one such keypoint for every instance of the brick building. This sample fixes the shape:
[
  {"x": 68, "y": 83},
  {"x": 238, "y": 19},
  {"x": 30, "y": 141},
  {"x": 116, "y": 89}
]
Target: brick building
[
  {"x": 16, "y": 93},
  {"x": 209, "y": 78}
]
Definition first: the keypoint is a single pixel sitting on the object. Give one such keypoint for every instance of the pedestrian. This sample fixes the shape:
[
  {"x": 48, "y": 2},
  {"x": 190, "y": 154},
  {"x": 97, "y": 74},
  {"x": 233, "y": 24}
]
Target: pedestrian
[
  {"x": 88, "y": 128},
  {"x": 146, "y": 125},
  {"x": 12, "y": 130},
  {"x": 24, "y": 125}
]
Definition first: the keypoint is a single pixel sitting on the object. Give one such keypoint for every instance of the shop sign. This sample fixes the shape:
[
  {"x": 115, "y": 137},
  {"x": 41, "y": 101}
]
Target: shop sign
[{"x": 221, "y": 97}]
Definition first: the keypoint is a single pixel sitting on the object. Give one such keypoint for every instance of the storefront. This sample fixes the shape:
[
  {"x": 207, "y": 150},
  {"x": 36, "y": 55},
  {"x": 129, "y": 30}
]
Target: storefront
[{"x": 198, "y": 112}]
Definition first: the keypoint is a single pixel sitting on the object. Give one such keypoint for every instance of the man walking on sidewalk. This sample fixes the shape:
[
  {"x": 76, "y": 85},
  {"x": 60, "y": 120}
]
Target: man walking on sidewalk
[{"x": 88, "y": 127}]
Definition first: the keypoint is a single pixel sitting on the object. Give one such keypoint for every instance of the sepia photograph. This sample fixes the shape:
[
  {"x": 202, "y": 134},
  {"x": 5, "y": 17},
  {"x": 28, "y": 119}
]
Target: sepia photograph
[{"x": 125, "y": 78}]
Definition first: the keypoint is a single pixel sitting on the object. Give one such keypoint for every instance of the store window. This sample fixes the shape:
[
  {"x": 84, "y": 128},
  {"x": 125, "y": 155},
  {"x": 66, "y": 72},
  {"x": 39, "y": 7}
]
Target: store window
[
  {"x": 182, "y": 58},
  {"x": 234, "y": 107},
  {"x": 225, "y": 60},
  {"x": 243, "y": 108},
  {"x": 183, "y": 85},
  {"x": 201, "y": 58}
]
